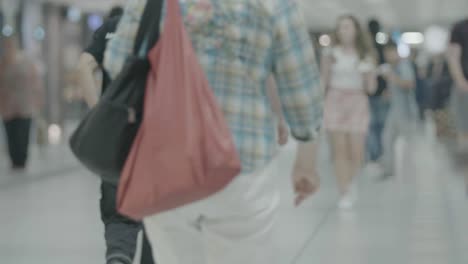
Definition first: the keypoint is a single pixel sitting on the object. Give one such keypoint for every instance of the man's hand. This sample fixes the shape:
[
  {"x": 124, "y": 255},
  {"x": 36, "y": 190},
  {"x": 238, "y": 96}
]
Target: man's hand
[
  {"x": 463, "y": 86},
  {"x": 306, "y": 183},
  {"x": 305, "y": 179}
]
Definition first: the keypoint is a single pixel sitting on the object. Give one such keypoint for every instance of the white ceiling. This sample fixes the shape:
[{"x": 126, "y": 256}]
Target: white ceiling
[{"x": 321, "y": 14}]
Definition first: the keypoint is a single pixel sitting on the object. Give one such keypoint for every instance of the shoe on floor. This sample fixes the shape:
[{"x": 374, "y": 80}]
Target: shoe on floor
[
  {"x": 117, "y": 261},
  {"x": 346, "y": 202}
]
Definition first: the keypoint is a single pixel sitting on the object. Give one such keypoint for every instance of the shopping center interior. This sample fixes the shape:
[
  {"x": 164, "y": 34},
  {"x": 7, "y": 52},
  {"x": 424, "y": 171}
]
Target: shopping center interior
[{"x": 50, "y": 211}]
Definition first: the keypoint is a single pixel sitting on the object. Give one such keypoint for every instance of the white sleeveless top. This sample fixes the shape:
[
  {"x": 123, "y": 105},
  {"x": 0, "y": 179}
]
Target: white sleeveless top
[{"x": 347, "y": 70}]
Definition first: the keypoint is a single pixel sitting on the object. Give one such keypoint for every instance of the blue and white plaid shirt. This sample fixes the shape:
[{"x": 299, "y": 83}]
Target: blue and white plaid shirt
[{"x": 240, "y": 43}]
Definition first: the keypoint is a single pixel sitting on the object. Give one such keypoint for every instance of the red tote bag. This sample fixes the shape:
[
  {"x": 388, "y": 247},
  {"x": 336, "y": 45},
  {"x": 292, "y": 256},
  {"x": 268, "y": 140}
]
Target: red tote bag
[{"x": 184, "y": 150}]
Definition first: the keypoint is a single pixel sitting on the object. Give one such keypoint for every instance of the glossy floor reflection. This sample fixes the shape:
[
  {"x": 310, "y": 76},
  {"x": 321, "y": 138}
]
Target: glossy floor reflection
[{"x": 50, "y": 215}]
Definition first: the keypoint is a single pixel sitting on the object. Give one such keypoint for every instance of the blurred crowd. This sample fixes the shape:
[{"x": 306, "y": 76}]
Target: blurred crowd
[{"x": 378, "y": 89}]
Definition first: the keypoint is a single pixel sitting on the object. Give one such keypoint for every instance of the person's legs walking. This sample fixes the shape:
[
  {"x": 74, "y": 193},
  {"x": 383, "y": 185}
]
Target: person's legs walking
[
  {"x": 121, "y": 233},
  {"x": 389, "y": 139},
  {"x": 340, "y": 154},
  {"x": 18, "y": 132},
  {"x": 10, "y": 138},
  {"x": 358, "y": 144},
  {"x": 379, "y": 111},
  {"x": 146, "y": 251},
  {"x": 373, "y": 146},
  {"x": 341, "y": 145},
  {"x": 23, "y": 138},
  {"x": 459, "y": 109}
]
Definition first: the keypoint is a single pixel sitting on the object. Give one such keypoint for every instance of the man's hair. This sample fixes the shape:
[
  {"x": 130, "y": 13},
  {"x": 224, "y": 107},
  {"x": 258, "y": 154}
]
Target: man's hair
[
  {"x": 116, "y": 11},
  {"x": 374, "y": 26}
]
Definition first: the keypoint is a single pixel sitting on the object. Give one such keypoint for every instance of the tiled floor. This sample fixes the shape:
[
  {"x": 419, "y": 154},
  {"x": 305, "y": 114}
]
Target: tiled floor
[{"x": 50, "y": 216}]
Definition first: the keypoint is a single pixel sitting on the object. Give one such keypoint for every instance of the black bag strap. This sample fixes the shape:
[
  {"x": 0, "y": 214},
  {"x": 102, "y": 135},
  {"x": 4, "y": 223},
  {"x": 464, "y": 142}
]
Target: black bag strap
[{"x": 149, "y": 28}]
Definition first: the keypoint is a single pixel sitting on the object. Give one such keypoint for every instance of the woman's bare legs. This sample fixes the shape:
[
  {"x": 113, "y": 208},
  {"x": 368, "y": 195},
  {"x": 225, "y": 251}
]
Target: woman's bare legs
[
  {"x": 341, "y": 160},
  {"x": 357, "y": 143}
]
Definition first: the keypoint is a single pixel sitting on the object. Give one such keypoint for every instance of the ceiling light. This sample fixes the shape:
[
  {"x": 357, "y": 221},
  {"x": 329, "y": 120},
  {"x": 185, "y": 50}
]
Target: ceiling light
[
  {"x": 74, "y": 14},
  {"x": 412, "y": 38},
  {"x": 404, "y": 50},
  {"x": 381, "y": 38}
]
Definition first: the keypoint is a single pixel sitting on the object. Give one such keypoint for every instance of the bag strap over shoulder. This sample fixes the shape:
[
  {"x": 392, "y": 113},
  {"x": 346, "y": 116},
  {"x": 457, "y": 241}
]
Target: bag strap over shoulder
[{"x": 149, "y": 29}]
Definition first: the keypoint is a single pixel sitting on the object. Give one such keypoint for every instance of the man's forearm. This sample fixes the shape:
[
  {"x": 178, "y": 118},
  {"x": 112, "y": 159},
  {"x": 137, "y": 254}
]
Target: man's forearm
[
  {"x": 272, "y": 91},
  {"x": 455, "y": 66},
  {"x": 306, "y": 153},
  {"x": 457, "y": 71}
]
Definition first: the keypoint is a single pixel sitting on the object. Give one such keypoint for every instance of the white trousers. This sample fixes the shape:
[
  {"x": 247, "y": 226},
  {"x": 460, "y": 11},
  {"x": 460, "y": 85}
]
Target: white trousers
[{"x": 232, "y": 227}]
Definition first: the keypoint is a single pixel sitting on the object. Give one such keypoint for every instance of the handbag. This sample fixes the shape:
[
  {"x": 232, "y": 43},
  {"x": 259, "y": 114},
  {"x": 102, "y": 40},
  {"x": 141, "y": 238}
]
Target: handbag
[
  {"x": 184, "y": 150},
  {"x": 103, "y": 139}
]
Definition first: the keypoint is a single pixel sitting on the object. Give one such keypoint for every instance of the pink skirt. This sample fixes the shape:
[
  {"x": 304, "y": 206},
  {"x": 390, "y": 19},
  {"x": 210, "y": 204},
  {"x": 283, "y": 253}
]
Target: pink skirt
[{"x": 346, "y": 111}]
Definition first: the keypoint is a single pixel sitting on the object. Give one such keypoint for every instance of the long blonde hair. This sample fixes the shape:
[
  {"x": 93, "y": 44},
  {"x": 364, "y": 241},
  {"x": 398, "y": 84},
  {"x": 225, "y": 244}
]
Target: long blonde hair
[{"x": 363, "y": 41}]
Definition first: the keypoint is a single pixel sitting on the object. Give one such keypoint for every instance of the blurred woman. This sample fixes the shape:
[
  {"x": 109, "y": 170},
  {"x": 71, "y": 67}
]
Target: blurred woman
[
  {"x": 349, "y": 77},
  {"x": 20, "y": 99}
]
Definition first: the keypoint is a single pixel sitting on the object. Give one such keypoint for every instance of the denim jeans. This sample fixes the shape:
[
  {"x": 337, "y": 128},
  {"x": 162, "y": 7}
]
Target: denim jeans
[
  {"x": 379, "y": 110},
  {"x": 397, "y": 126}
]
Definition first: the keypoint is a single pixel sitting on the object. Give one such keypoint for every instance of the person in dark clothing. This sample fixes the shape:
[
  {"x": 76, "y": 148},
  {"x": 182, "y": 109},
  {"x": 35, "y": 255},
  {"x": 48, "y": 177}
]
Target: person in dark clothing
[
  {"x": 457, "y": 56},
  {"x": 458, "y": 62},
  {"x": 120, "y": 232},
  {"x": 379, "y": 103},
  {"x": 440, "y": 89},
  {"x": 21, "y": 98}
]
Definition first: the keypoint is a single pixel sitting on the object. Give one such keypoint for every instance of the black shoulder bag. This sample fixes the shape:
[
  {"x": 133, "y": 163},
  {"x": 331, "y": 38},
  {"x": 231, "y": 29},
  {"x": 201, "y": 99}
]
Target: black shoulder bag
[{"x": 104, "y": 138}]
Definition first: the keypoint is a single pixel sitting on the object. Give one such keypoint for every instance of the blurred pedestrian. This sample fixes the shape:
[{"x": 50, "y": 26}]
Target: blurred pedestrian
[
  {"x": 403, "y": 117},
  {"x": 421, "y": 90},
  {"x": 440, "y": 89},
  {"x": 240, "y": 44},
  {"x": 121, "y": 233},
  {"x": 21, "y": 98},
  {"x": 458, "y": 61},
  {"x": 379, "y": 105},
  {"x": 348, "y": 72}
]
